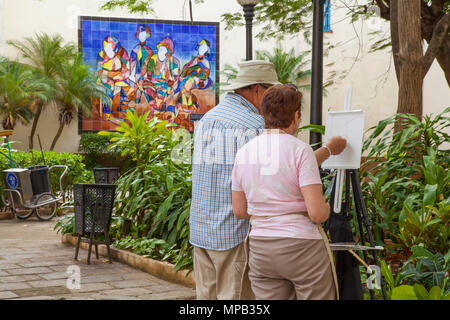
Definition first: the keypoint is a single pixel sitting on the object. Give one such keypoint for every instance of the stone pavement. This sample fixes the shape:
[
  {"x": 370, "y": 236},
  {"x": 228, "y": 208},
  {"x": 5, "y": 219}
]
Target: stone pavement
[{"x": 34, "y": 265}]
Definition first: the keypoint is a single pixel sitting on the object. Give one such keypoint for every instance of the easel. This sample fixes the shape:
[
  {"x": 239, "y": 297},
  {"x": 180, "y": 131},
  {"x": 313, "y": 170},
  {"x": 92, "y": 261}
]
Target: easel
[
  {"x": 342, "y": 240},
  {"x": 338, "y": 225}
]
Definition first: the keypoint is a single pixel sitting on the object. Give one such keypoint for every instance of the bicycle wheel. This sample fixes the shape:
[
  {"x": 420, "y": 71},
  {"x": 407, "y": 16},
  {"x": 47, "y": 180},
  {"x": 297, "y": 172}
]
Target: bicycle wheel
[
  {"x": 48, "y": 210},
  {"x": 19, "y": 212},
  {"x": 22, "y": 213}
]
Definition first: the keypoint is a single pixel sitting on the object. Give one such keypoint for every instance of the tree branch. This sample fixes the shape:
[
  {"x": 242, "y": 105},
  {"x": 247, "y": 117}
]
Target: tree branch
[
  {"x": 439, "y": 35},
  {"x": 384, "y": 9},
  {"x": 437, "y": 7}
]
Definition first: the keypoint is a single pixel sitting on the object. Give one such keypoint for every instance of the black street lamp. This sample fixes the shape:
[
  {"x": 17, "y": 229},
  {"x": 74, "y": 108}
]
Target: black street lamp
[
  {"x": 249, "y": 13},
  {"x": 317, "y": 71}
]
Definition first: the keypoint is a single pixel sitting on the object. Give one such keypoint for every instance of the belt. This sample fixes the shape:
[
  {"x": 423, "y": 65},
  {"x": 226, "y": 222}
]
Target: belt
[{"x": 325, "y": 240}]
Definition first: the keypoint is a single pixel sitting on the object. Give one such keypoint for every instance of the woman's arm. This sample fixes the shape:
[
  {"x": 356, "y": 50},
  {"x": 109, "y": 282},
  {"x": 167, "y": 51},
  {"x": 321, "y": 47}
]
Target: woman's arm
[
  {"x": 318, "y": 209},
  {"x": 335, "y": 144},
  {"x": 239, "y": 202}
]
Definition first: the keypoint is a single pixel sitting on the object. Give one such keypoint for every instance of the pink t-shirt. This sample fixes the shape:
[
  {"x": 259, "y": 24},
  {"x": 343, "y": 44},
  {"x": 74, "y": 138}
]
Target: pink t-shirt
[{"x": 270, "y": 170}]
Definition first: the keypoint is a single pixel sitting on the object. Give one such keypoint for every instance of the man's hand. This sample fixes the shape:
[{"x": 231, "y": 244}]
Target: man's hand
[{"x": 336, "y": 144}]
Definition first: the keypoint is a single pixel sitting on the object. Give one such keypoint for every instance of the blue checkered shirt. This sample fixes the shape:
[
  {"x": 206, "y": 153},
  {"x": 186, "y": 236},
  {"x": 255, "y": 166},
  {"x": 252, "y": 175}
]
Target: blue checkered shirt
[{"x": 217, "y": 137}]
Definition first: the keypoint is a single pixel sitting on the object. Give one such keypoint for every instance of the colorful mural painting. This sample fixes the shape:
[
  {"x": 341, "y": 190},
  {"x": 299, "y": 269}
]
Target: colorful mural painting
[{"x": 169, "y": 68}]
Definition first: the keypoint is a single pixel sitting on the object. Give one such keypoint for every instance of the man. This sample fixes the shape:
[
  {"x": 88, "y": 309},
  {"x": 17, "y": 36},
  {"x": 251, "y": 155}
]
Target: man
[{"x": 217, "y": 236}]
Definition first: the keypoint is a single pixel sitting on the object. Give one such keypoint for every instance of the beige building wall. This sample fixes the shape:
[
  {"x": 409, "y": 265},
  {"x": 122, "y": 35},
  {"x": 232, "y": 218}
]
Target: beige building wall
[{"x": 372, "y": 75}]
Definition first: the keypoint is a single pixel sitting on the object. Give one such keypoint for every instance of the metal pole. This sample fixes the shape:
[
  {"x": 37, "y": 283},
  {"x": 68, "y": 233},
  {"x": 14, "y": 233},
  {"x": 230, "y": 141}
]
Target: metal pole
[
  {"x": 317, "y": 71},
  {"x": 249, "y": 13}
]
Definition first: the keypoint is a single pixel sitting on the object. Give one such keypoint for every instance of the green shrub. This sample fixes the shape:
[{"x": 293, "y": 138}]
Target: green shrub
[
  {"x": 95, "y": 149},
  {"x": 77, "y": 172},
  {"x": 93, "y": 146},
  {"x": 156, "y": 194},
  {"x": 407, "y": 192}
]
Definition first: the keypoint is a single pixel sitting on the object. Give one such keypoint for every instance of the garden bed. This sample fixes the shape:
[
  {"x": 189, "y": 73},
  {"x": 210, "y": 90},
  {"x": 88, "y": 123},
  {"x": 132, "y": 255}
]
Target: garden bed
[{"x": 163, "y": 270}]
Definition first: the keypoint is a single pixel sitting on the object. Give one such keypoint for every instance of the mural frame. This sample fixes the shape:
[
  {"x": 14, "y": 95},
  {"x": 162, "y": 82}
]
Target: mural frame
[{"x": 149, "y": 21}]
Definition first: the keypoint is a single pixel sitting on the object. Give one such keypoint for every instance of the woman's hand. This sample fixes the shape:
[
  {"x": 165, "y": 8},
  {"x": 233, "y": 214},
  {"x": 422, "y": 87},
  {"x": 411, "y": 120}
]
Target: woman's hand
[
  {"x": 239, "y": 202},
  {"x": 335, "y": 146},
  {"x": 318, "y": 209}
]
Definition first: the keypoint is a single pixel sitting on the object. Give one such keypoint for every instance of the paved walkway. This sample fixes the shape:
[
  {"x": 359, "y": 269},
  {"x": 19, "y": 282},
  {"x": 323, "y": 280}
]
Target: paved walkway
[{"x": 34, "y": 265}]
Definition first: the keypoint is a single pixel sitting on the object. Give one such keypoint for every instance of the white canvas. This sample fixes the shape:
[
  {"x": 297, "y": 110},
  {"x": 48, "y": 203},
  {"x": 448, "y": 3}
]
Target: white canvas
[{"x": 350, "y": 125}]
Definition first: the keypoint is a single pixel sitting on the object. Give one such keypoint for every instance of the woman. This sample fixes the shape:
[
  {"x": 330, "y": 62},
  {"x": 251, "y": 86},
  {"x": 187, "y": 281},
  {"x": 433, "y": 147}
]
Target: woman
[{"x": 276, "y": 183}]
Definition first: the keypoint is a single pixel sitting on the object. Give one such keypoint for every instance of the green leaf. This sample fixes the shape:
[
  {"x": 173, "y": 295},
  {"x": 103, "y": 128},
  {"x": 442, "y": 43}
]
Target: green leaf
[
  {"x": 420, "y": 291},
  {"x": 403, "y": 292},
  {"x": 429, "y": 197},
  {"x": 435, "y": 293},
  {"x": 421, "y": 252}
]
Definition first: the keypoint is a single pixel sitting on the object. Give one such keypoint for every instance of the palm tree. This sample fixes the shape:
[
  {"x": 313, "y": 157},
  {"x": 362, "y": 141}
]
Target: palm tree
[
  {"x": 20, "y": 87},
  {"x": 45, "y": 53},
  {"x": 290, "y": 68},
  {"x": 77, "y": 86}
]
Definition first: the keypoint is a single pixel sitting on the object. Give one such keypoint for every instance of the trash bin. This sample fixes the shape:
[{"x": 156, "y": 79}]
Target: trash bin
[
  {"x": 106, "y": 175},
  {"x": 93, "y": 205},
  {"x": 40, "y": 181}
]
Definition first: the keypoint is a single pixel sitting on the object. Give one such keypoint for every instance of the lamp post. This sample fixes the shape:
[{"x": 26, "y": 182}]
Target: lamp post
[
  {"x": 317, "y": 71},
  {"x": 249, "y": 13}
]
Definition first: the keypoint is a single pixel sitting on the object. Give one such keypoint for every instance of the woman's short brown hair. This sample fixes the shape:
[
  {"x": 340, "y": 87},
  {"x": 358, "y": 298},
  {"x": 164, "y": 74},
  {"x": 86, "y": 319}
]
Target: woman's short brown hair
[{"x": 279, "y": 105}]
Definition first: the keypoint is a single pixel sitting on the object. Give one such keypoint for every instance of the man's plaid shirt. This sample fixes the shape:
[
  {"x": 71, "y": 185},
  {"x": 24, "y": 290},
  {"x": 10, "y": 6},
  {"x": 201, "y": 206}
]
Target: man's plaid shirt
[{"x": 217, "y": 137}]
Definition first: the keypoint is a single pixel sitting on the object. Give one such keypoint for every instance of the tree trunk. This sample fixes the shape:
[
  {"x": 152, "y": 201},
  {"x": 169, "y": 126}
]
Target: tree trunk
[
  {"x": 393, "y": 19},
  {"x": 410, "y": 95},
  {"x": 37, "y": 114},
  {"x": 58, "y": 134}
]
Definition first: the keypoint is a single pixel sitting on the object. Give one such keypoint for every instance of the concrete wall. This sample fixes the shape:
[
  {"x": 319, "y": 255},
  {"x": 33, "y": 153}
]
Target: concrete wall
[{"x": 372, "y": 75}]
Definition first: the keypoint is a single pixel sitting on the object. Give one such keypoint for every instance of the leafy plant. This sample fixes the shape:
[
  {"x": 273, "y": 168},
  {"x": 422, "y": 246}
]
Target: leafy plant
[
  {"x": 152, "y": 248},
  {"x": 290, "y": 68},
  {"x": 19, "y": 88},
  {"x": 65, "y": 224},
  {"x": 391, "y": 281},
  {"x": 429, "y": 269},
  {"x": 407, "y": 181},
  {"x": 45, "y": 54},
  {"x": 156, "y": 194},
  {"x": 76, "y": 88},
  {"x": 418, "y": 292}
]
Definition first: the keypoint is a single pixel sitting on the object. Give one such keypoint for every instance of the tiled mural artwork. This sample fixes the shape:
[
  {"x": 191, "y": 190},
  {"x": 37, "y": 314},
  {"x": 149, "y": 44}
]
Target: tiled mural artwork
[{"x": 166, "y": 67}]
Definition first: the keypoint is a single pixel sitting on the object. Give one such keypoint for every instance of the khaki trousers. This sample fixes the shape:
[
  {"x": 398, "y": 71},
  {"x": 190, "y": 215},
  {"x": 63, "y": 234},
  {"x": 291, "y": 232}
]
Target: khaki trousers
[
  {"x": 289, "y": 269},
  {"x": 219, "y": 274}
]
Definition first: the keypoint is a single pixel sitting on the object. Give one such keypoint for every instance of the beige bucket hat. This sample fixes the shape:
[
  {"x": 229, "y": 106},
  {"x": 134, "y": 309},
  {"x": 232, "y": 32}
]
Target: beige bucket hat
[{"x": 253, "y": 72}]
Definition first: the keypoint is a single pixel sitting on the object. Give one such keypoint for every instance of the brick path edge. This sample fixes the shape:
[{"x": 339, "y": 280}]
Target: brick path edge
[{"x": 151, "y": 266}]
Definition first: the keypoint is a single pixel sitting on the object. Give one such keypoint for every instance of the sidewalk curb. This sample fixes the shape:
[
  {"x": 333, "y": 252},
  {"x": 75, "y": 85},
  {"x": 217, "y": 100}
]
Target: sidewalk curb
[{"x": 157, "y": 268}]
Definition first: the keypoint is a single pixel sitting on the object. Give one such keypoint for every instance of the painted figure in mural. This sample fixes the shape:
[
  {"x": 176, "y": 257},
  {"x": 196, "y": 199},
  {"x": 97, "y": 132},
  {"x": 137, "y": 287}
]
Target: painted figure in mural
[
  {"x": 137, "y": 58},
  {"x": 187, "y": 103},
  {"x": 199, "y": 68},
  {"x": 163, "y": 73},
  {"x": 113, "y": 74}
]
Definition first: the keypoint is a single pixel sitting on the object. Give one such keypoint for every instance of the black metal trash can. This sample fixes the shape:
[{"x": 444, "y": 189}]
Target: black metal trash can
[
  {"x": 93, "y": 205},
  {"x": 40, "y": 181},
  {"x": 106, "y": 175}
]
